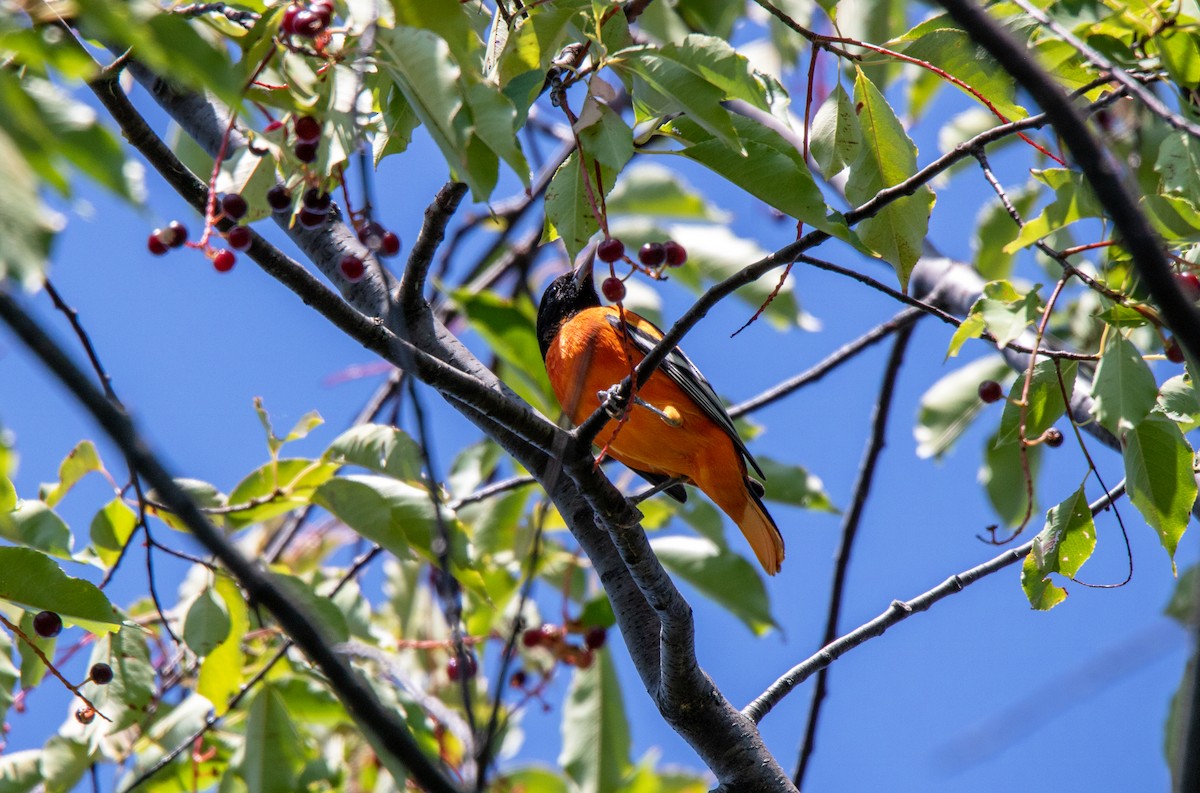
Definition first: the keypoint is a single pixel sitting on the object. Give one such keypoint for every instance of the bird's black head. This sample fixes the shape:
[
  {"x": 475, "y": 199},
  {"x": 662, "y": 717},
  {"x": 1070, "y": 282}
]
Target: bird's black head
[{"x": 565, "y": 297}]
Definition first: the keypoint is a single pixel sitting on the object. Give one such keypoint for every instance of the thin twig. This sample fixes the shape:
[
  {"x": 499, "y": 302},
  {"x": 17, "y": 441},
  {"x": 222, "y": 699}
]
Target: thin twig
[{"x": 850, "y": 524}]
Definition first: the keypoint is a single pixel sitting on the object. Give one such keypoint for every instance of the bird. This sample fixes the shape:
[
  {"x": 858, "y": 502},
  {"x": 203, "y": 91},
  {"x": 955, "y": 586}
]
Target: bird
[{"x": 676, "y": 426}]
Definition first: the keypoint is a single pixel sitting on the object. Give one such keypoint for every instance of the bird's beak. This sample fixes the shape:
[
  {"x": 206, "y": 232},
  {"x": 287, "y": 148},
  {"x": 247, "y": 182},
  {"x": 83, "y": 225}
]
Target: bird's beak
[{"x": 583, "y": 265}]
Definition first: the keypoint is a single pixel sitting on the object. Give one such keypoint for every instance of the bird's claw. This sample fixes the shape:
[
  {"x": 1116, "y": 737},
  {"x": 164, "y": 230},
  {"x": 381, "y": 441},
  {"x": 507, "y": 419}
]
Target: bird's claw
[{"x": 614, "y": 406}]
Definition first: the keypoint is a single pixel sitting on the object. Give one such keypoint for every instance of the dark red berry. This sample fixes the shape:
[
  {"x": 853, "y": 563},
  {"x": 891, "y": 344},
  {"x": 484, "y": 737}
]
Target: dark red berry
[
  {"x": 391, "y": 244},
  {"x": 308, "y": 24},
  {"x": 1173, "y": 350},
  {"x": 85, "y": 715},
  {"x": 531, "y": 637},
  {"x": 308, "y": 129},
  {"x": 676, "y": 253},
  {"x": 464, "y": 671},
  {"x": 175, "y": 234},
  {"x": 279, "y": 198},
  {"x": 101, "y": 674},
  {"x": 371, "y": 235},
  {"x": 1189, "y": 284},
  {"x": 324, "y": 12},
  {"x": 990, "y": 391},
  {"x": 610, "y": 250},
  {"x": 595, "y": 637},
  {"x": 352, "y": 268},
  {"x": 613, "y": 289},
  {"x": 223, "y": 261},
  {"x": 652, "y": 254},
  {"x": 239, "y": 238},
  {"x": 155, "y": 244},
  {"x": 317, "y": 201},
  {"x": 288, "y": 24},
  {"x": 234, "y": 206},
  {"x": 47, "y": 624},
  {"x": 518, "y": 679},
  {"x": 1053, "y": 438},
  {"x": 306, "y": 152},
  {"x": 311, "y": 220}
]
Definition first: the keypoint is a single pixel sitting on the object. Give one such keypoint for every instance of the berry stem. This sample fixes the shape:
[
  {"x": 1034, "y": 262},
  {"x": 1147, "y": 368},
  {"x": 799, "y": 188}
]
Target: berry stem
[{"x": 74, "y": 689}]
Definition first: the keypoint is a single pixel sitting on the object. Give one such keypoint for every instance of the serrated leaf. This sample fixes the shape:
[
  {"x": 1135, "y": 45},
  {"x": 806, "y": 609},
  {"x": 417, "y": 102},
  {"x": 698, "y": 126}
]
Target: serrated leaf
[
  {"x": 570, "y": 215},
  {"x": 720, "y": 64},
  {"x": 204, "y": 495},
  {"x": 276, "y": 489},
  {"x": 221, "y": 673},
  {"x": 608, "y": 140},
  {"x": 379, "y": 448},
  {"x": 1178, "y": 164},
  {"x": 1123, "y": 389},
  {"x": 1006, "y": 313},
  {"x": 494, "y": 122},
  {"x": 888, "y": 157},
  {"x": 207, "y": 623},
  {"x": 956, "y": 53},
  {"x": 970, "y": 328},
  {"x": 725, "y": 577},
  {"x": 30, "y": 579},
  {"x": 595, "y": 731},
  {"x": 1175, "y": 217},
  {"x": 952, "y": 403},
  {"x": 836, "y": 140},
  {"x": 1061, "y": 547},
  {"x": 81, "y": 461},
  {"x": 1158, "y": 472},
  {"x": 1178, "y": 401}
]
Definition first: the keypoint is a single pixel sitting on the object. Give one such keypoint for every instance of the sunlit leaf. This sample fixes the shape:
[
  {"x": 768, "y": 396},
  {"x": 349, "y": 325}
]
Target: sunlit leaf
[
  {"x": 207, "y": 623},
  {"x": 723, "y": 576},
  {"x": 1158, "y": 472},
  {"x": 595, "y": 731},
  {"x": 1061, "y": 547},
  {"x": 31, "y": 579},
  {"x": 1123, "y": 389}
]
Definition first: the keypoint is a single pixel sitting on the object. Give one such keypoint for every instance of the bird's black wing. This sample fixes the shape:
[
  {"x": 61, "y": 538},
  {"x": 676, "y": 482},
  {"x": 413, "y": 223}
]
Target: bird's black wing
[{"x": 684, "y": 373}]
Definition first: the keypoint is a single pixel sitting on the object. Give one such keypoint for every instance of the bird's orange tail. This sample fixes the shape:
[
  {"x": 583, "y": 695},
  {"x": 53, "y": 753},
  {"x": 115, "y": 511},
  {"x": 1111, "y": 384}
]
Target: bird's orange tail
[{"x": 739, "y": 501}]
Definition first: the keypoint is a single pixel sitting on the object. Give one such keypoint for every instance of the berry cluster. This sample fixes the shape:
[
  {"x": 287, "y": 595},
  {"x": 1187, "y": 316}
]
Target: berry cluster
[
  {"x": 1189, "y": 284},
  {"x": 554, "y": 639},
  {"x": 307, "y": 20},
  {"x": 162, "y": 240},
  {"x": 652, "y": 254}
]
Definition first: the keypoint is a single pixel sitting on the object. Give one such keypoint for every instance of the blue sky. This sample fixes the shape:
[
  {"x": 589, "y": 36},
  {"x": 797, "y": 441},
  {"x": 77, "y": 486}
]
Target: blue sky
[{"x": 980, "y": 693}]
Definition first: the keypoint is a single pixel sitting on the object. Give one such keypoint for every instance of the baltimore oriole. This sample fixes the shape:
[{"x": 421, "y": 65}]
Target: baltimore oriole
[{"x": 676, "y": 427}]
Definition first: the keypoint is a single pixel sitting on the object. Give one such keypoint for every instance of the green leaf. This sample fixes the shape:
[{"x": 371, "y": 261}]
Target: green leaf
[
  {"x": 1179, "y": 164},
  {"x": 995, "y": 229},
  {"x": 1003, "y": 478},
  {"x": 971, "y": 328},
  {"x": 64, "y": 762},
  {"x": 8, "y": 494},
  {"x": 607, "y": 138},
  {"x": 1061, "y": 547},
  {"x": 1045, "y": 401},
  {"x": 952, "y": 403},
  {"x": 836, "y": 140},
  {"x": 221, "y": 672},
  {"x": 1178, "y": 401},
  {"x": 494, "y": 122},
  {"x": 713, "y": 59},
  {"x": 81, "y": 461},
  {"x": 723, "y": 576},
  {"x": 1175, "y": 217},
  {"x": 9, "y": 676},
  {"x": 666, "y": 86},
  {"x": 1180, "y": 56},
  {"x": 1158, "y": 472},
  {"x": 595, "y": 732},
  {"x": 888, "y": 157},
  {"x": 568, "y": 211},
  {"x": 1073, "y": 200},
  {"x": 34, "y": 524},
  {"x": 770, "y": 170},
  {"x": 379, "y": 448},
  {"x": 207, "y": 623},
  {"x": 273, "y": 752},
  {"x": 276, "y": 489},
  {"x": 647, "y": 189},
  {"x": 793, "y": 484},
  {"x": 30, "y": 579},
  {"x": 126, "y": 699},
  {"x": 28, "y": 225},
  {"x": 1006, "y": 313},
  {"x": 203, "y": 494},
  {"x": 1182, "y": 605},
  {"x": 1124, "y": 388},
  {"x": 509, "y": 328},
  {"x": 20, "y": 772},
  {"x": 111, "y": 528},
  {"x": 954, "y": 51},
  {"x": 322, "y": 611}
]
